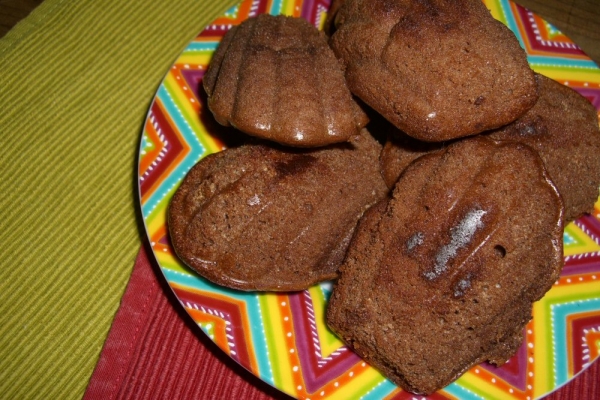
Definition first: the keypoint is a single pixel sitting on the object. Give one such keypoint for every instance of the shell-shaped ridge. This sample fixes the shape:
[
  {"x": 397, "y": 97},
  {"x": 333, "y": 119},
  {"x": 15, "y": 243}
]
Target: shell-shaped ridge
[{"x": 277, "y": 79}]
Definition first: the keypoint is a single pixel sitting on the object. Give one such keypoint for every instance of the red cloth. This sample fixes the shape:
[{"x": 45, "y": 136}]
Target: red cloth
[{"x": 155, "y": 351}]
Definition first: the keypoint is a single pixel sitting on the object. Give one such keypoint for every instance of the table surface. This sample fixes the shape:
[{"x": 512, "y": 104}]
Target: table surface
[{"x": 578, "y": 19}]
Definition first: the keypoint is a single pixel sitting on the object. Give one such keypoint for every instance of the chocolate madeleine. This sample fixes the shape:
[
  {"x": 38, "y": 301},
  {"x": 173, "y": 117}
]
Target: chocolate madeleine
[
  {"x": 269, "y": 218},
  {"x": 275, "y": 77},
  {"x": 436, "y": 69},
  {"x": 443, "y": 275}
]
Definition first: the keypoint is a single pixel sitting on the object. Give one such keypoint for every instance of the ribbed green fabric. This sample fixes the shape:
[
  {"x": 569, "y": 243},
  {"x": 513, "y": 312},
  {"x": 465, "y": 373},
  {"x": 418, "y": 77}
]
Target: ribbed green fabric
[{"x": 76, "y": 81}]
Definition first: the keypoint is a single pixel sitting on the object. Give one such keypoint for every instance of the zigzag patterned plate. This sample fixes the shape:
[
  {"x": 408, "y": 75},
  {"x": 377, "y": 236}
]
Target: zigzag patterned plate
[{"x": 282, "y": 338}]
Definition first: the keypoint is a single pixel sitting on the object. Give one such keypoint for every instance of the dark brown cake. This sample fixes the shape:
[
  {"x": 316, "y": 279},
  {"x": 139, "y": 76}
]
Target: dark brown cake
[
  {"x": 276, "y": 78},
  {"x": 399, "y": 150},
  {"x": 436, "y": 69},
  {"x": 260, "y": 217},
  {"x": 563, "y": 128},
  {"x": 443, "y": 275}
]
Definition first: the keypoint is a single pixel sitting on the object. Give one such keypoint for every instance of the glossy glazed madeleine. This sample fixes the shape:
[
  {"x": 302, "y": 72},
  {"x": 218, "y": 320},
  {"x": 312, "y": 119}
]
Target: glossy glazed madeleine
[
  {"x": 436, "y": 69},
  {"x": 276, "y": 78},
  {"x": 260, "y": 217},
  {"x": 443, "y": 275}
]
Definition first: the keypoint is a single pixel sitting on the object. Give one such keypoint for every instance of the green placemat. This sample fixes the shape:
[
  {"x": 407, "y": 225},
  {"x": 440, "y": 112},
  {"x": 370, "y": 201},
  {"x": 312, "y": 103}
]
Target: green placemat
[{"x": 76, "y": 81}]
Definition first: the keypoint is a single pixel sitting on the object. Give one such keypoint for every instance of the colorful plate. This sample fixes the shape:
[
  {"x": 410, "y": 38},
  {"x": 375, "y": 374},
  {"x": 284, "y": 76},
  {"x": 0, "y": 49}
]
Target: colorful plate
[{"x": 282, "y": 338}]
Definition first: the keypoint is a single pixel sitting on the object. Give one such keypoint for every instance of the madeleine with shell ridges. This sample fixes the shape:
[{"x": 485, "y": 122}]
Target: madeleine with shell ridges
[
  {"x": 276, "y": 78},
  {"x": 272, "y": 218},
  {"x": 443, "y": 275},
  {"x": 436, "y": 69}
]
